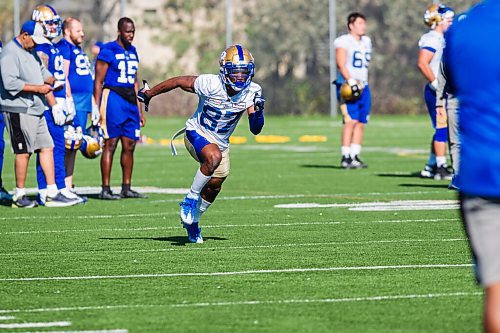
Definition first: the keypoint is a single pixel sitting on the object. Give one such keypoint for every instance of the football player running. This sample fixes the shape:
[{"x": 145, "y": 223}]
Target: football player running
[
  {"x": 439, "y": 18},
  {"x": 115, "y": 91},
  {"x": 353, "y": 52},
  {"x": 61, "y": 113},
  {"x": 222, "y": 101}
]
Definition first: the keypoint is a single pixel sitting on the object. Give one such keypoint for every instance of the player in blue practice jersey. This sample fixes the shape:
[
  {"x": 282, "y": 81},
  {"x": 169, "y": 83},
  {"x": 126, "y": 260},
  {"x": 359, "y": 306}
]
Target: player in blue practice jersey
[
  {"x": 115, "y": 91},
  {"x": 79, "y": 87},
  {"x": 223, "y": 99},
  {"x": 4, "y": 195},
  {"x": 472, "y": 55},
  {"x": 438, "y": 18},
  {"x": 56, "y": 118}
]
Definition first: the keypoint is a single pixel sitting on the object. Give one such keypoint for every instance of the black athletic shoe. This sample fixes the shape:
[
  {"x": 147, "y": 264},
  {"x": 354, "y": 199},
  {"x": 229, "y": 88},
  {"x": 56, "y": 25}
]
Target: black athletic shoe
[
  {"x": 23, "y": 202},
  {"x": 346, "y": 162},
  {"x": 357, "y": 163},
  {"x": 428, "y": 171},
  {"x": 132, "y": 194},
  {"x": 443, "y": 173},
  {"x": 108, "y": 195}
]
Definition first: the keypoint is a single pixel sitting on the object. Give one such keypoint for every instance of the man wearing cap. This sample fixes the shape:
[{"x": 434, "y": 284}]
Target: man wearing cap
[{"x": 25, "y": 86}]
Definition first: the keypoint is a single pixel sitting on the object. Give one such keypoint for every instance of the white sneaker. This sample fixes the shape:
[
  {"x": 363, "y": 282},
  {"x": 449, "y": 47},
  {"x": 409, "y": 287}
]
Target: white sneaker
[
  {"x": 72, "y": 195},
  {"x": 190, "y": 210}
]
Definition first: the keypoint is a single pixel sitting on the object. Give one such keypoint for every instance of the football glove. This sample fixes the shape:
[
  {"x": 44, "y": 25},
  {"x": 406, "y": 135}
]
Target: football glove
[
  {"x": 355, "y": 89},
  {"x": 95, "y": 116},
  {"x": 258, "y": 103},
  {"x": 58, "y": 114},
  {"x": 70, "y": 109},
  {"x": 434, "y": 85},
  {"x": 142, "y": 97}
]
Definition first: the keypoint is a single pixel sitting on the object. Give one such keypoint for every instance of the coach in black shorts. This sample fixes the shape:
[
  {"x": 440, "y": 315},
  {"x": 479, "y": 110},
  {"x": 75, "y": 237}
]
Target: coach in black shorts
[{"x": 25, "y": 87}]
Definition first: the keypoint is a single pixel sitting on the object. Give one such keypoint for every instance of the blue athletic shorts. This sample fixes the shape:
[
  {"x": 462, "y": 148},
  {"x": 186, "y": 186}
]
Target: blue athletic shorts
[
  {"x": 359, "y": 110},
  {"x": 119, "y": 117}
]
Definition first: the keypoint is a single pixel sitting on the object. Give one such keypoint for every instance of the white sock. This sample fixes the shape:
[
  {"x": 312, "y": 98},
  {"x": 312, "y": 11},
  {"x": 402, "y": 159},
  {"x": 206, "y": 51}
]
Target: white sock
[
  {"x": 52, "y": 190},
  {"x": 204, "y": 206},
  {"x": 42, "y": 192},
  {"x": 19, "y": 192},
  {"x": 440, "y": 160},
  {"x": 355, "y": 149},
  {"x": 345, "y": 150},
  {"x": 199, "y": 181},
  {"x": 432, "y": 159}
]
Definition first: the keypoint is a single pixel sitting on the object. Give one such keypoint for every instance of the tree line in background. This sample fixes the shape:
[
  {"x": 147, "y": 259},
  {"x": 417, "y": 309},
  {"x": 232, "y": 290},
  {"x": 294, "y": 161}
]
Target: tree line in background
[{"x": 290, "y": 42}]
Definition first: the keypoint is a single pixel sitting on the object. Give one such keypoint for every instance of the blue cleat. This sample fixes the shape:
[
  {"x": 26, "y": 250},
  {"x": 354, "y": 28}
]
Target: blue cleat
[
  {"x": 194, "y": 233},
  {"x": 190, "y": 210},
  {"x": 4, "y": 195}
]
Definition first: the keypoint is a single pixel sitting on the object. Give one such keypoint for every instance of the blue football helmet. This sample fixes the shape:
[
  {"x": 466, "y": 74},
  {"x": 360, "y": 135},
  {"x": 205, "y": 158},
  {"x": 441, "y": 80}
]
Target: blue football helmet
[
  {"x": 437, "y": 13},
  {"x": 237, "y": 67},
  {"x": 93, "y": 142},
  {"x": 49, "y": 19}
]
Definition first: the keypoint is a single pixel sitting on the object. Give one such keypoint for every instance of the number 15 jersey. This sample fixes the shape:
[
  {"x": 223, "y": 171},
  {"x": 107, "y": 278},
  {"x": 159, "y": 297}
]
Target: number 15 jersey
[
  {"x": 218, "y": 114},
  {"x": 122, "y": 64},
  {"x": 359, "y": 55}
]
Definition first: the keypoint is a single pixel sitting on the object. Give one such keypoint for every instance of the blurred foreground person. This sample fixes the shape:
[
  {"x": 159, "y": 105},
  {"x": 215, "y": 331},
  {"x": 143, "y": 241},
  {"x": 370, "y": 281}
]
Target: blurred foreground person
[{"x": 472, "y": 58}]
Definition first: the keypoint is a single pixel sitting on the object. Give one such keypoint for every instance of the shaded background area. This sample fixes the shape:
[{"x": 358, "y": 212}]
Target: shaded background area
[{"x": 288, "y": 38}]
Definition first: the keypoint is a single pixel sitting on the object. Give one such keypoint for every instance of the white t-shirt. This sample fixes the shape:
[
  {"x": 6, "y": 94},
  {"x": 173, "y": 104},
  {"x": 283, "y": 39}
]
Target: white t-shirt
[
  {"x": 359, "y": 55},
  {"x": 434, "y": 42},
  {"x": 218, "y": 114}
]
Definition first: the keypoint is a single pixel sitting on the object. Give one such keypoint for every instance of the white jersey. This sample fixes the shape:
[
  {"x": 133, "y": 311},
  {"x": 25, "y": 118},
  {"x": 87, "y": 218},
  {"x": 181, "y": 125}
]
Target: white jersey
[
  {"x": 359, "y": 55},
  {"x": 218, "y": 114},
  {"x": 433, "y": 41}
]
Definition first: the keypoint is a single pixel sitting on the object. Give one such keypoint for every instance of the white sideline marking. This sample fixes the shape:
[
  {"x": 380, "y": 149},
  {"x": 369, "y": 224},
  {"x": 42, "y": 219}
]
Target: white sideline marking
[
  {"x": 259, "y": 271},
  {"x": 7, "y": 317},
  {"x": 106, "y": 252},
  {"x": 141, "y": 189},
  {"x": 99, "y": 331},
  {"x": 263, "y": 225},
  {"x": 255, "y": 302},
  {"x": 328, "y": 300},
  {"x": 80, "y": 216},
  {"x": 383, "y": 206},
  {"x": 33, "y": 325},
  {"x": 293, "y": 196}
]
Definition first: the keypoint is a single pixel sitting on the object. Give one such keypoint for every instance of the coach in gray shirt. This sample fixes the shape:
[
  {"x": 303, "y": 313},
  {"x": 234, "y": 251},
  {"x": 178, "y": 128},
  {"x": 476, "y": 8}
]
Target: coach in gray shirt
[{"x": 25, "y": 87}]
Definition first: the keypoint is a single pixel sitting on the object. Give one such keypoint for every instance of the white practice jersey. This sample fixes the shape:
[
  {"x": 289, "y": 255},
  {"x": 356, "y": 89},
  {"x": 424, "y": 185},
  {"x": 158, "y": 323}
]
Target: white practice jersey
[
  {"x": 218, "y": 114},
  {"x": 359, "y": 55},
  {"x": 433, "y": 41}
]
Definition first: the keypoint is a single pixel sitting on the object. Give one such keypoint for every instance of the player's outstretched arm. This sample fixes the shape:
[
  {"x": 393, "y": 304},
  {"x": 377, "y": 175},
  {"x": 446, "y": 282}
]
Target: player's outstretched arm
[
  {"x": 186, "y": 83},
  {"x": 256, "y": 115}
]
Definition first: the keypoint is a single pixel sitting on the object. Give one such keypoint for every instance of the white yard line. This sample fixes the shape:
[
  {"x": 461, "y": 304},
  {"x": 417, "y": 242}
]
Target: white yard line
[
  {"x": 259, "y": 271},
  {"x": 249, "y": 302},
  {"x": 228, "y": 248},
  {"x": 37, "y": 325},
  {"x": 86, "y": 331},
  {"x": 328, "y": 300},
  {"x": 256, "y": 225},
  {"x": 381, "y": 206},
  {"x": 7, "y": 317}
]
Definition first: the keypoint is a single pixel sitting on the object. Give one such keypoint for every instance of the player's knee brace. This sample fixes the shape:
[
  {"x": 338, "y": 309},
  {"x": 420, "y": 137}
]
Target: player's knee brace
[{"x": 441, "y": 135}]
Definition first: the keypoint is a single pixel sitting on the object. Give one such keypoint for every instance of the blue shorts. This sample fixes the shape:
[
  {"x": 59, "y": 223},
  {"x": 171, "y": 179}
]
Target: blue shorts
[
  {"x": 119, "y": 117},
  {"x": 359, "y": 110},
  {"x": 59, "y": 153},
  {"x": 430, "y": 102},
  {"x": 197, "y": 141},
  {"x": 80, "y": 120}
]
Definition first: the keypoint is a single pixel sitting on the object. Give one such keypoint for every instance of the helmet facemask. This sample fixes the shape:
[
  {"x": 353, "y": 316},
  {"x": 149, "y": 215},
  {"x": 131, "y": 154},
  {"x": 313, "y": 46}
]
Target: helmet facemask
[{"x": 237, "y": 67}]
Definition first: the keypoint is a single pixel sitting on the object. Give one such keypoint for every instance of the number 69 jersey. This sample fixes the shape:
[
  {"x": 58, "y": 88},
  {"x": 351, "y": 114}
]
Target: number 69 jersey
[
  {"x": 359, "y": 55},
  {"x": 218, "y": 114}
]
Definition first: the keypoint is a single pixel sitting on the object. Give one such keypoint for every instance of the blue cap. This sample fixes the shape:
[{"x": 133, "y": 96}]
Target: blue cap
[{"x": 35, "y": 30}]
